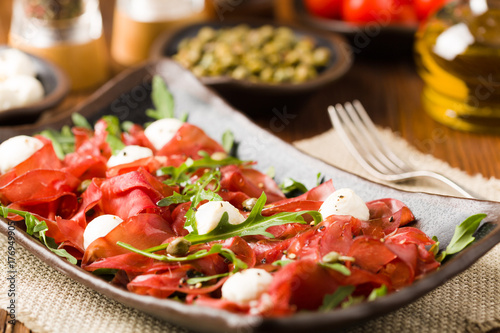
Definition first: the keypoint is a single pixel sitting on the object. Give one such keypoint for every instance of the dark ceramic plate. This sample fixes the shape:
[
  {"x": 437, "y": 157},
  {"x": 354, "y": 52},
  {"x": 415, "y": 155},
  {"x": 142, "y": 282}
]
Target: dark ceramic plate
[
  {"x": 248, "y": 95},
  {"x": 374, "y": 39},
  {"x": 55, "y": 84},
  {"x": 125, "y": 97}
]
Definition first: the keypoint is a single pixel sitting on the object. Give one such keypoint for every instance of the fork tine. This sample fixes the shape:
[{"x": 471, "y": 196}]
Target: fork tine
[
  {"x": 357, "y": 137},
  {"x": 373, "y": 131},
  {"x": 335, "y": 115},
  {"x": 371, "y": 139}
]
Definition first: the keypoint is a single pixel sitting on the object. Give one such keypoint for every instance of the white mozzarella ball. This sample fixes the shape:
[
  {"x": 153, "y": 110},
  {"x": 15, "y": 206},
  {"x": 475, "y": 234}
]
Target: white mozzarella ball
[
  {"x": 209, "y": 214},
  {"x": 17, "y": 150},
  {"x": 162, "y": 131},
  {"x": 14, "y": 62},
  {"x": 345, "y": 202},
  {"x": 19, "y": 91},
  {"x": 246, "y": 286},
  {"x": 99, "y": 227},
  {"x": 129, "y": 154}
]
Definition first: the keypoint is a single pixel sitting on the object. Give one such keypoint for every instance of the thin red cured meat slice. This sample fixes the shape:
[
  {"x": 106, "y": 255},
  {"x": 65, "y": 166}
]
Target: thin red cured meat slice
[
  {"x": 164, "y": 284},
  {"x": 249, "y": 181},
  {"x": 43, "y": 158},
  {"x": 300, "y": 285},
  {"x": 370, "y": 253},
  {"x": 141, "y": 231},
  {"x": 188, "y": 141},
  {"x": 133, "y": 193}
]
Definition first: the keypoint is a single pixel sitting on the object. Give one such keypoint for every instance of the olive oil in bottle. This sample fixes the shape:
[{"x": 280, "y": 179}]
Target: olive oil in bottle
[{"x": 458, "y": 58}]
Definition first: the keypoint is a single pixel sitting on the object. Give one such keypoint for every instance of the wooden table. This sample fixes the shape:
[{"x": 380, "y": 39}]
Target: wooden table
[{"x": 390, "y": 91}]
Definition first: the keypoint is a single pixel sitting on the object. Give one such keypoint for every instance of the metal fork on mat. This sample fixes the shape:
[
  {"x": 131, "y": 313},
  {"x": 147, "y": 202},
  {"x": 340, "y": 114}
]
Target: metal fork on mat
[{"x": 360, "y": 136}]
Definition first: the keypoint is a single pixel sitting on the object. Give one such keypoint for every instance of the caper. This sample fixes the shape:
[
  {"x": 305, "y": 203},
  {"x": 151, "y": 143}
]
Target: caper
[
  {"x": 265, "y": 54},
  {"x": 219, "y": 155},
  {"x": 84, "y": 185},
  {"x": 249, "y": 203},
  {"x": 178, "y": 247}
]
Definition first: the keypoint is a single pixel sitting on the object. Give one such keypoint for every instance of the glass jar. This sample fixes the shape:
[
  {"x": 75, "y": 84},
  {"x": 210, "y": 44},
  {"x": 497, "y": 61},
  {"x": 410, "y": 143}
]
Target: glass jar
[
  {"x": 458, "y": 58},
  {"x": 66, "y": 32},
  {"x": 137, "y": 23}
]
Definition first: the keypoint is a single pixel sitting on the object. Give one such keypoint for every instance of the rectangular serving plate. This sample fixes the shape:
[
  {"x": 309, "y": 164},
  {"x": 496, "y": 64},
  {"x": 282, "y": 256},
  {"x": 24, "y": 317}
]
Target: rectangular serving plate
[{"x": 127, "y": 97}]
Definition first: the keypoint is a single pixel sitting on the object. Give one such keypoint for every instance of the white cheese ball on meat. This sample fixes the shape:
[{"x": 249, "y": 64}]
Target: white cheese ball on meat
[
  {"x": 162, "y": 131},
  {"x": 14, "y": 62},
  {"x": 129, "y": 154},
  {"x": 99, "y": 227},
  {"x": 209, "y": 214},
  {"x": 19, "y": 90},
  {"x": 17, "y": 150},
  {"x": 345, "y": 202},
  {"x": 246, "y": 286}
]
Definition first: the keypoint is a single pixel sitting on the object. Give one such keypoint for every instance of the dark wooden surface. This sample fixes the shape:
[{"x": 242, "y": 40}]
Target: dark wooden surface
[{"x": 390, "y": 91}]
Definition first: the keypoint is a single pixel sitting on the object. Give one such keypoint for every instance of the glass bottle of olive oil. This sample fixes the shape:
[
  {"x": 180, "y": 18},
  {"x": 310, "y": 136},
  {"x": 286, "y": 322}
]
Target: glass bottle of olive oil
[{"x": 458, "y": 58}]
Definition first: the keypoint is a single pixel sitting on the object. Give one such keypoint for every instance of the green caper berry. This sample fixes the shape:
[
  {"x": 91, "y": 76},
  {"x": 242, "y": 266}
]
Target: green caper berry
[{"x": 178, "y": 247}]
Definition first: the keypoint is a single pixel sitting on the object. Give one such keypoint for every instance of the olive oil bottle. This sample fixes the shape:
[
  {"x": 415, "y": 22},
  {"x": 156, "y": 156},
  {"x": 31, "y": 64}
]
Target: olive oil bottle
[{"x": 458, "y": 58}]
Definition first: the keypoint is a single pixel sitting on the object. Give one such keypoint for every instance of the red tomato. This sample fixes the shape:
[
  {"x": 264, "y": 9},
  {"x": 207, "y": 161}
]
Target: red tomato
[
  {"x": 425, "y": 8},
  {"x": 381, "y": 11},
  {"x": 324, "y": 8}
]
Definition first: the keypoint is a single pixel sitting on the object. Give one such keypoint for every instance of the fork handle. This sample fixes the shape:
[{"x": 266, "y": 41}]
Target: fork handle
[{"x": 443, "y": 179}]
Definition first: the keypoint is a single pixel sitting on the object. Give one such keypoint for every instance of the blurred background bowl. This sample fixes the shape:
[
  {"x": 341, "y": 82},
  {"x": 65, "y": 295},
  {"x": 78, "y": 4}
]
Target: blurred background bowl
[
  {"x": 375, "y": 39},
  {"x": 55, "y": 84},
  {"x": 259, "y": 97}
]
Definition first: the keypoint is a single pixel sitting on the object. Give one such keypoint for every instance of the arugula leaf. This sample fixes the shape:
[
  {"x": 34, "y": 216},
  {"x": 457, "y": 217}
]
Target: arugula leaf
[
  {"x": 352, "y": 300},
  {"x": 462, "y": 236},
  {"x": 114, "y": 133},
  {"x": 255, "y": 224},
  {"x": 378, "y": 292},
  {"x": 331, "y": 301},
  {"x": 37, "y": 228},
  {"x": 271, "y": 172},
  {"x": 292, "y": 187},
  {"x": 63, "y": 142},
  {"x": 337, "y": 267},
  {"x": 162, "y": 100},
  {"x": 183, "y": 172},
  {"x": 80, "y": 121},
  {"x": 320, "y": 179},
  {"x": 228, "y": 141},
  {"x": 282, "y": 263}
]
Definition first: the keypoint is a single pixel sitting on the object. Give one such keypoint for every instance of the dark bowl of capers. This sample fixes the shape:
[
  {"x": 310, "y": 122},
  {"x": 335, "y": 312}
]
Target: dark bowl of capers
[{"x": 255, "y": 65}]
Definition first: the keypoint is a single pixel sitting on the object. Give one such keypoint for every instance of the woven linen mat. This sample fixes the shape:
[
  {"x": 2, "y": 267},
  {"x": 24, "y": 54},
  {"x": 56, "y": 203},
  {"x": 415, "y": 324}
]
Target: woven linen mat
[{"x": 48, "y": 301}]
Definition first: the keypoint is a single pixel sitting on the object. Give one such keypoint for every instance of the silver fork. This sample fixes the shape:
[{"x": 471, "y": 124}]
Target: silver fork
[{"x": 360, "y": 136}]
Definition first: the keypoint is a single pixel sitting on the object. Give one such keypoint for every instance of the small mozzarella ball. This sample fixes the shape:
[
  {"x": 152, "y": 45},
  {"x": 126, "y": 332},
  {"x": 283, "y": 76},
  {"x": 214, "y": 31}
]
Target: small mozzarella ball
[
  {"x": 19, "y": 91},
  {"x": 246, "y": 286},
  {"x": 14, "y": 62},
  {"x": 345, "y": 202},
  {"x": 162, "y": 131},
  {"x": 99, "y": 227},
  {"x": 209, "y": 214},
  {"x": 17, "y": 150},
  {"x": 129, "y": 154}
]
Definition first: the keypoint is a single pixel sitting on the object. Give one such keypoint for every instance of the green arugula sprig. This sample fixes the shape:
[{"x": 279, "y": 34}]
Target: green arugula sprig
[
  {"x": 114, "y": 133},
  {"x": 63, "y": 141},
  {"x": 292, "y": 188},
  {"x": 331, "y": 301},
  {"x": 462, "y": 236},
  {"x": 180, "y": 175},
  {"x": 37, "y": 228},
  {"x": 255, "y": 224},
  {"x": 215, "y": 249},
  {"x": 163, "y": 100}
]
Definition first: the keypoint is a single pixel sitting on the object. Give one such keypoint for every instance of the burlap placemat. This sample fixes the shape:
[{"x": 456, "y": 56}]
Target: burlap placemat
[{"x": 48, "y": 301}]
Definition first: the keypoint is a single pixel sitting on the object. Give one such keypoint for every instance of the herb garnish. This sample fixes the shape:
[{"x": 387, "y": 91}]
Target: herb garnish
[
  {"x": 462, "y": 236},
  {"x": 37, "y": 228},
  {"x": 163, "y": 100},
  {"x": 255, "y": 224}
]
